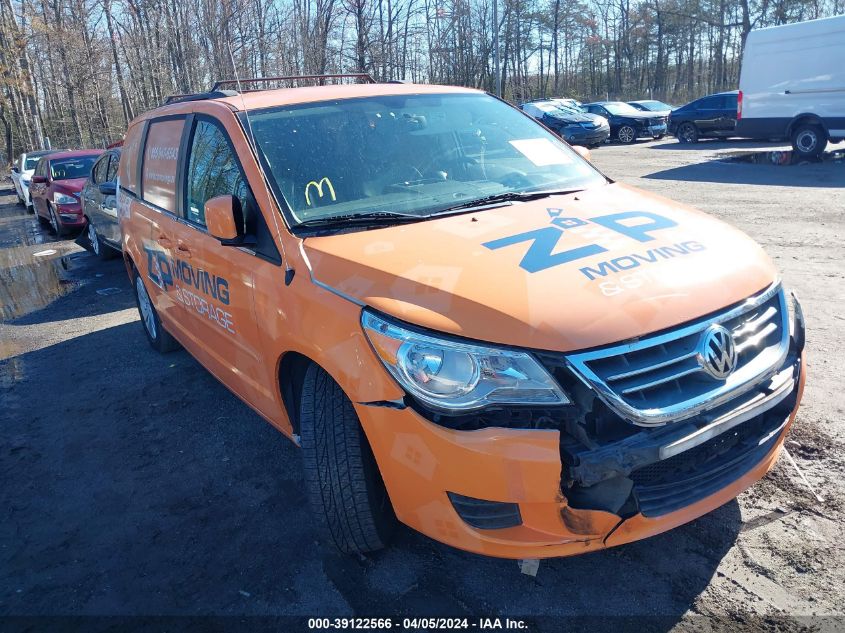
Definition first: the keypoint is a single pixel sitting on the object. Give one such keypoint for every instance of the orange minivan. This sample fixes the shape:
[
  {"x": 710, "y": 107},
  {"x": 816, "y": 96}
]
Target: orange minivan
[{"x": 465, "y": 326}]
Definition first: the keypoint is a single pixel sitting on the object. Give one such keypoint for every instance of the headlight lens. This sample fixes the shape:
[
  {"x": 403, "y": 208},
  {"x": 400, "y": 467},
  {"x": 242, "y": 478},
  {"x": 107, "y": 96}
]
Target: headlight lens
[
  {"x": 63, "y": 198},
  {"x": 25, "y": 181},
  {"x": 452, "y": 376}
]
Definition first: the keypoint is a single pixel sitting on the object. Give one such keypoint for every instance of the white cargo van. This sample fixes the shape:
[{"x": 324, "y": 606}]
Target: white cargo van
[{"x": 792, "y": 84}]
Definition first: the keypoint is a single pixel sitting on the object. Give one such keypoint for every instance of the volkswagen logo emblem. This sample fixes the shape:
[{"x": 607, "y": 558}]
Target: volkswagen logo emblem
[{"x": 716, "y": 352}]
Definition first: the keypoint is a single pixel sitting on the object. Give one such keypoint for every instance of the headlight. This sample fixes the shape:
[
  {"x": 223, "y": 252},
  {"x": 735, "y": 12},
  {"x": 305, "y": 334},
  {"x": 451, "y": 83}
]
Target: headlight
[
  {"x": 62, "y": 198},
  {"x": 453, "y": 376},
  {"x": 26, "y": 181}
]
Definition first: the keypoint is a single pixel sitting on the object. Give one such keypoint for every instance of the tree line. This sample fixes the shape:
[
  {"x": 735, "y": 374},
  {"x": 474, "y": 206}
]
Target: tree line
[{"x": 76, "y": 71}]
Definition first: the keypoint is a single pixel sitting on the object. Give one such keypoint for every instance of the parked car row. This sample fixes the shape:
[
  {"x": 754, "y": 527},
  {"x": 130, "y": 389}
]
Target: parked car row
[
  {"x": 791, "y": 87},
  {"x": 72, "y": 190}
]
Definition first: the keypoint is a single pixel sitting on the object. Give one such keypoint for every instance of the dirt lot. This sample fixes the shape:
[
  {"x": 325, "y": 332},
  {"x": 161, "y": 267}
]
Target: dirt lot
[{"x": 135, "y": 485}]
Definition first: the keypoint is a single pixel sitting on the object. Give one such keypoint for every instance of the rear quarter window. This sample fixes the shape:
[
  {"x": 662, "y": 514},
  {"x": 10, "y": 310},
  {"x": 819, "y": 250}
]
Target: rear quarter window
[
  {"x": 128, "y": 172},
  {"x": 161, "y": 154}
]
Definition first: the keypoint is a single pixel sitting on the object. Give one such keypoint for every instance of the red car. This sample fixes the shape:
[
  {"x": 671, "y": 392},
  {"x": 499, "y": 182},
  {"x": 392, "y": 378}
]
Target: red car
[{"x": 56, "y": 186}]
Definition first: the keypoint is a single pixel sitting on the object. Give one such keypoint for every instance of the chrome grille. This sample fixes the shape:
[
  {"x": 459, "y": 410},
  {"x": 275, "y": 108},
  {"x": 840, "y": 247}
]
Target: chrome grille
[{"x": 659, "y": 378}]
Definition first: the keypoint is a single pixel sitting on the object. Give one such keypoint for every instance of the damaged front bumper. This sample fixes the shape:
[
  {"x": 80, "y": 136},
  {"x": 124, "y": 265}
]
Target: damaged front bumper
[
  {"x": 541, "y": 483},
  {"x": 422, "y": 462}
]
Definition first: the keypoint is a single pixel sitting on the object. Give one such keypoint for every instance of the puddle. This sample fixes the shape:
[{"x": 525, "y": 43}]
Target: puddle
[
  {"x": 781, "y": 158},
  {"x": 28, "y": 280}
]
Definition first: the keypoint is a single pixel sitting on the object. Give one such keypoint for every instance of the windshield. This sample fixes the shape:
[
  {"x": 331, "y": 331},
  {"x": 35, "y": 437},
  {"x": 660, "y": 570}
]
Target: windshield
[
  {"x": 655, "y": 106},
  {"x": 620, "y": 108},
  {"x": 410, "y": 154},
  {"x": 31, "y": 161},
  {"x": 67, "y": 168}
]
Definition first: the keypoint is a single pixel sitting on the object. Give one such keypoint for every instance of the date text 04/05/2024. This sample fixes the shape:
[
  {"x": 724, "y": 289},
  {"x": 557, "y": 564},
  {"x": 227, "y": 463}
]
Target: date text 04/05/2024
[{"x": 432, "y": 624}]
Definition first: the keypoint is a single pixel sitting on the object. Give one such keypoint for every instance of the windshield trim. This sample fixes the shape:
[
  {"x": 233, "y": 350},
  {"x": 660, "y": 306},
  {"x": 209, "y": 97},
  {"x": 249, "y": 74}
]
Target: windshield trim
[{"x": 298, "y": 228}]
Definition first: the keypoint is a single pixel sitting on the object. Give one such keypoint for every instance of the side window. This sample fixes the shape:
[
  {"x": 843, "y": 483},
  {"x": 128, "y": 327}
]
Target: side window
[
  {"x": 212, "y": 171},
  {"x": 41, "y": 169},
  {"x": 161, "y": 154},
  {"x": 131, "y": 153},
  {"x": 710, "y": 103},
  {"x": 98, "y": 173},
  {"x": 111, "y": 174}
]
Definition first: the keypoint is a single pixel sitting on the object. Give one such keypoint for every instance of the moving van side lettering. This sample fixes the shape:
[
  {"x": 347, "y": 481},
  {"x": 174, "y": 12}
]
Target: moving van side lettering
[{"x": 161, "y": 270}]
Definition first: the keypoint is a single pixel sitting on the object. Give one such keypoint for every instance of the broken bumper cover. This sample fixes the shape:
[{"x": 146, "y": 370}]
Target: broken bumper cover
[{"x": 422, "y": 462}]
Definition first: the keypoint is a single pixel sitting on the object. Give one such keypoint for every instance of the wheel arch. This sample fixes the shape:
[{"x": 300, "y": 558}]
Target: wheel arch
[
  {"x": 290, "y": 373},
  {"x": 806, "y": 117}
]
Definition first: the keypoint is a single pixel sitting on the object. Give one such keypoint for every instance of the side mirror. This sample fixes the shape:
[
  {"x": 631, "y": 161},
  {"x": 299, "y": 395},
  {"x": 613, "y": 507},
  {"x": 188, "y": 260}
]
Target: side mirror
[
  {"x": 583, "y": 152},
  {"x": 15, "y": 169},
  {"x": 108, "y": 188},
  {"x": 223, "y": 215},
  {"x": 39, "y": 180}
]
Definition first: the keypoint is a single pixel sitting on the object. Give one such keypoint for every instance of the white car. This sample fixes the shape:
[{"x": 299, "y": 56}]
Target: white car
[
  {"x": 792, "y": 85},
  {"x": 22, "y": 172}
]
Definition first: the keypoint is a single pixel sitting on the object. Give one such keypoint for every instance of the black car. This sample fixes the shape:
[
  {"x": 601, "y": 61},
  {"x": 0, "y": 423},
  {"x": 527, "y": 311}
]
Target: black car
[
  {"x": 627, "y": 124},
  {"x": 99, "y": 204},
  {"x": 652, "y": 106},
  {"x": 713, "y": 116},
  {"x": 574, "y": 126}
]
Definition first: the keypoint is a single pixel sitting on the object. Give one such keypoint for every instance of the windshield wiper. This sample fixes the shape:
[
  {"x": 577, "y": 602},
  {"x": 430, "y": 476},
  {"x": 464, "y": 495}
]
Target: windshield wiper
[
  {"x": 372, "y": 218},
  {"x": 507, "y": 196}
]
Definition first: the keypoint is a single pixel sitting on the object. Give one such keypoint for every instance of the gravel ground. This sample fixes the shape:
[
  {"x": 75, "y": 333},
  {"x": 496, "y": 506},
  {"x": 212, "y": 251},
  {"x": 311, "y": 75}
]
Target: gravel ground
[{"x": 136, "y": 485}]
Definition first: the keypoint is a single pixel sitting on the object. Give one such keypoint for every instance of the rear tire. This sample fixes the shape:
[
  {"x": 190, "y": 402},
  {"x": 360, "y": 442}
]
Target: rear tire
[
  {"x": 159, "y": 338},
  {"x": 345, "y": 489},
  {"x": 809, "y": 140},
  {"x": 688, "y": 133}
]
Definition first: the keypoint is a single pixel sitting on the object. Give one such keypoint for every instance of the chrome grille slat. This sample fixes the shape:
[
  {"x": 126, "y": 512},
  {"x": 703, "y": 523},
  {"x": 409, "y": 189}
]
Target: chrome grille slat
[
  {"x": 660, "y": 381},
  {"x": 642, "y": 370},
  {"x": 657, "y": 379},
  {"x": 755, "y": 340},
  {"x": 752, "y": 324}
]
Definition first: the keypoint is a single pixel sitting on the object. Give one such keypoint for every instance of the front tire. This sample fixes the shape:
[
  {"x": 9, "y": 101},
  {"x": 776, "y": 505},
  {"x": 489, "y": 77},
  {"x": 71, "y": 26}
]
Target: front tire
[
  {"x": 345, "y": 489},
  {"x": 58, "y": 230},
  {"x": 159, "y": 338},
  {"x": 626, "y": 134},
  {"x": 808, "y": 140},
  {"x": 688, "y": 133}
]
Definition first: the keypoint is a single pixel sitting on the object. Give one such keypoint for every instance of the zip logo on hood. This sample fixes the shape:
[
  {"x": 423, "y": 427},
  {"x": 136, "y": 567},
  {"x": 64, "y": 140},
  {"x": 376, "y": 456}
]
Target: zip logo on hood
[{"x": 540, "y": 255}]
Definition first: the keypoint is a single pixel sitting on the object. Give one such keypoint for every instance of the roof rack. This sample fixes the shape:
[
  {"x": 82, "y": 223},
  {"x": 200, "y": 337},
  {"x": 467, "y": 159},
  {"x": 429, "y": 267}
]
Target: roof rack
[
  {"x": 361, "y": 77},
  {"x": 199, "y": 96}
]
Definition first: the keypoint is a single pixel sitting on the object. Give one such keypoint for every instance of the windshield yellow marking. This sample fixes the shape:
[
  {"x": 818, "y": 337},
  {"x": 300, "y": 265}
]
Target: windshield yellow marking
[{"x": 319, "y": 187}]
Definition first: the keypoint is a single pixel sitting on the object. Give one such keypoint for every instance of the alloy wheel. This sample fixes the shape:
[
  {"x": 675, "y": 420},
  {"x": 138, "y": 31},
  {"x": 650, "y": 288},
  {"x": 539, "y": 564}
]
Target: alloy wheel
[
  {"x": 54, "y": 222},
  {"x": 626, "y": 134},
  {"x": 92, "y": 237},
  {"x": 146, "y": 307}
]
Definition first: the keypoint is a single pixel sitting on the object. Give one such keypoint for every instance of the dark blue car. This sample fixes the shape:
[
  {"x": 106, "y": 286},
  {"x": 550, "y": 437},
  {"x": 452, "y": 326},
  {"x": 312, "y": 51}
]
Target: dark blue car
[
  {"x": 627, "y": 124},
  {"x": 713, "y": 116}
]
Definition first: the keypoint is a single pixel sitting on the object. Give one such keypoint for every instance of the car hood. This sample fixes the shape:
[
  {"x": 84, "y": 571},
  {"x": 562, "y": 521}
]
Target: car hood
[
  {"x": 71, "y": 185},
  {"x": 570, "y": 118},
  {"x": 563, "y": 273}
]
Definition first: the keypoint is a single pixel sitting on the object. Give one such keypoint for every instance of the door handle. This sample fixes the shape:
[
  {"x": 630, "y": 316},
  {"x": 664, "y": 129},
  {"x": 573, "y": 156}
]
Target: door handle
[
  {"x": 183, "y": 249},
  {"x": 165, "y": 241}
]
